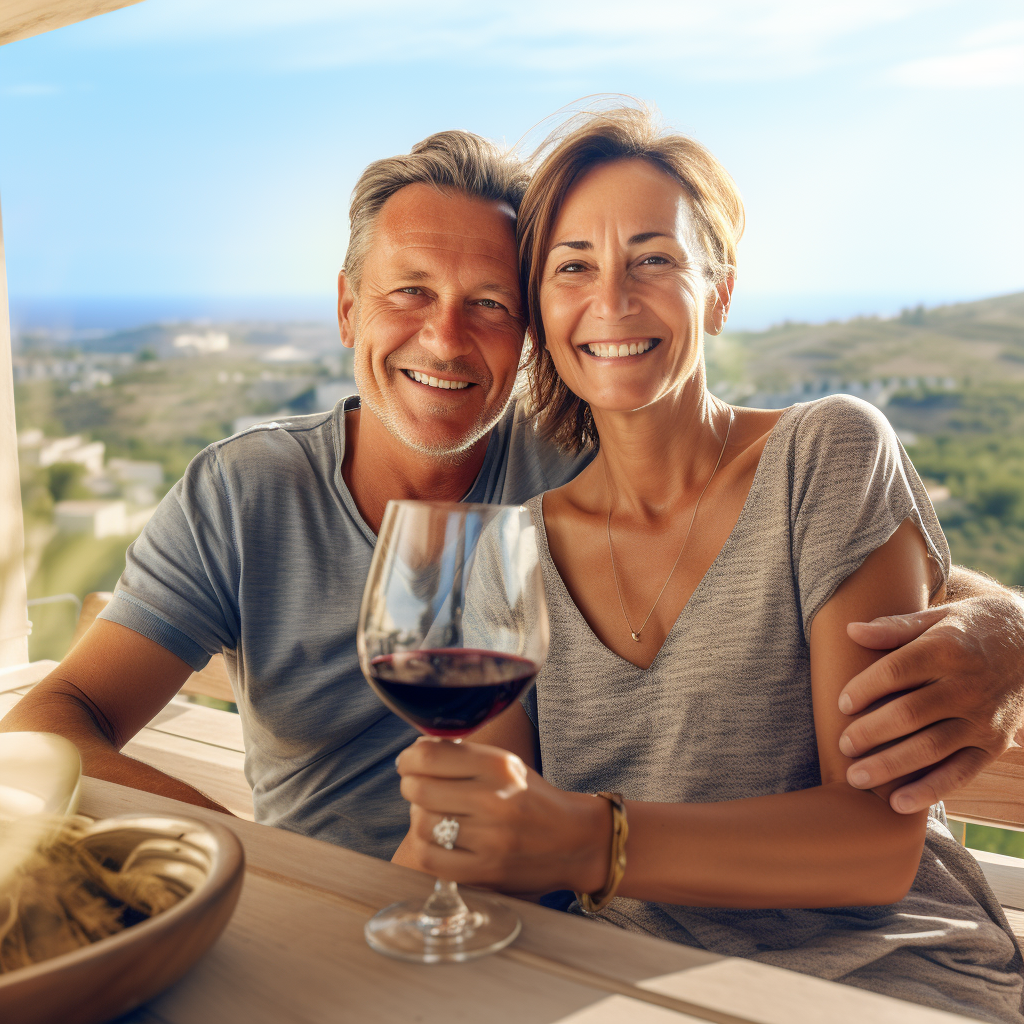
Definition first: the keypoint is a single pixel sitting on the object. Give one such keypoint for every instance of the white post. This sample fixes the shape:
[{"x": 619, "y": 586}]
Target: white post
[{"x": 14, "y": 627}]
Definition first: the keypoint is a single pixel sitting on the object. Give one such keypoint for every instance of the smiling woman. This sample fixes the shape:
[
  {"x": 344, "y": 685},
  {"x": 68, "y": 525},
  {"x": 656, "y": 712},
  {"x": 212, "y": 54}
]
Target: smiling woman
[
  {"x": 700, "y": 219},
  {"x": 700, "y": 574}
]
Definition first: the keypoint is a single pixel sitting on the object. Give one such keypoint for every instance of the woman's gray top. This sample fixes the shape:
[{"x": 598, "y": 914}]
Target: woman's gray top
[{"x": 724, "y": 712}]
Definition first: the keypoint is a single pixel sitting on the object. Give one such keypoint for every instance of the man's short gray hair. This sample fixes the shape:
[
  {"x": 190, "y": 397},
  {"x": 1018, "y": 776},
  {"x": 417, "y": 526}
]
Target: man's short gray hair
[{"x": 453, "y": 160}]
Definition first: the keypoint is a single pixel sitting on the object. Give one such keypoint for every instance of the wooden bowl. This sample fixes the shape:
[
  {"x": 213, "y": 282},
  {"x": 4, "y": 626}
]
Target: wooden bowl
[{"x": 114, "y": 975}]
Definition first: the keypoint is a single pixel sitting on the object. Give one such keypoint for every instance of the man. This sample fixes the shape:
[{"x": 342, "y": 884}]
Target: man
[{"x": 262, "y": 549}]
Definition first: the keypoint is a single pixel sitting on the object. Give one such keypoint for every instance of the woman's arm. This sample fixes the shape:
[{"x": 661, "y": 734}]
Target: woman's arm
[{"x": 827, "y": 846}]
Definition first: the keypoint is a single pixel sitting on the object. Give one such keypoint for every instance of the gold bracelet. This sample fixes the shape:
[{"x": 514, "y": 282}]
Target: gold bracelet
[{"x": 594, "y": 902}]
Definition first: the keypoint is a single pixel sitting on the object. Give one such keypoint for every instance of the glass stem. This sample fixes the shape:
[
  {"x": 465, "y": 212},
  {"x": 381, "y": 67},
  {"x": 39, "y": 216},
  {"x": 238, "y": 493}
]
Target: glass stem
[{"x": 444, "y": 914}]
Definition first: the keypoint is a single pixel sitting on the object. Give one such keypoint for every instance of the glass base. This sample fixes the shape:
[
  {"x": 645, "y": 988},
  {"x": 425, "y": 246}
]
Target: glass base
[{"x": 407, "y": 932}]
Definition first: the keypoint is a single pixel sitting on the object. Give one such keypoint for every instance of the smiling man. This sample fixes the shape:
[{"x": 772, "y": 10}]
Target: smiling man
[
  {"x": 433, "y": 313},
  {"x": 262, "y": 549}
]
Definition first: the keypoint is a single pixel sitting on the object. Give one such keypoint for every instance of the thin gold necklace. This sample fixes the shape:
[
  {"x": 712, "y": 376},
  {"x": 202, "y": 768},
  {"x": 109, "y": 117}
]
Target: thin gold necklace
[{"x": 635, "y": 633}]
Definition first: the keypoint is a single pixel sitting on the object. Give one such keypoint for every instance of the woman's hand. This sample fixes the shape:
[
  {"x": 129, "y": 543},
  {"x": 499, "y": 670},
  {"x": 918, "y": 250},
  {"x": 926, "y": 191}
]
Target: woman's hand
[
  {"x": 959, "y": 696},
  {"x": 517, "y": 833}
]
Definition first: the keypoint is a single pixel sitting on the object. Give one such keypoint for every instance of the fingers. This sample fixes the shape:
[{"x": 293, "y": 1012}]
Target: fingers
[
  {"x": 423, "y": 822},
  {"x": 440, "y": 796},
  {"x": 889, "y": 631},
  {"x": 441, "y": 758},
  {"x": 941, "y": 782},
  {"x": 474, "y": 860},
  {"x": 923, "y": 750},
  {"x": 425, "y": 854},
  {"x": 445, "y": 759},
  {"x": 899, "y": 718},
  {"x": 901, "y": 670}
]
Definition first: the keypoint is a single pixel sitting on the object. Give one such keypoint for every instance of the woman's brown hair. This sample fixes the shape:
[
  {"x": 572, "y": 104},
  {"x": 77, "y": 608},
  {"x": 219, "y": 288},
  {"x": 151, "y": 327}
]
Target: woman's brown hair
[{"x": 584, "y": 142}]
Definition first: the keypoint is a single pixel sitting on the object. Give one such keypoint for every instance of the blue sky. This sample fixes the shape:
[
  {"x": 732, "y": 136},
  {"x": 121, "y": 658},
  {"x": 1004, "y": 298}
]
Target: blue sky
[{"x": 187, "y": 152}]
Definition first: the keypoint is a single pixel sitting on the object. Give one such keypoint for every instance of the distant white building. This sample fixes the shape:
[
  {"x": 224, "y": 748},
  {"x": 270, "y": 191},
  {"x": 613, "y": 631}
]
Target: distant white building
[
  {"x": 138, "y": 480},
  {"x": 29, "y": 439},
  {"x": 92, "y": 379},
  {"x": 36, "y": 450},
  {"x": 134, "y": 471},
  {"x": 211, "y": 341},
  {"x": 96, "y": 518},
  {"x": 137, "y": 520},
  {"x": 287, "y": 354}
]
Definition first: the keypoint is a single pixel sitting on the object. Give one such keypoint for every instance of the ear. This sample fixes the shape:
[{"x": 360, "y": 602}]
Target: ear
[
  {"x": 718, "y": 303},
  {"x": 346, "y": 311}
]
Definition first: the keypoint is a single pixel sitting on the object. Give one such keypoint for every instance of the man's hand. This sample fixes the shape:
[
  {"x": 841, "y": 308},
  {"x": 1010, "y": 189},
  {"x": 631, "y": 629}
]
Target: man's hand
[{"x": 955, "y": 693}]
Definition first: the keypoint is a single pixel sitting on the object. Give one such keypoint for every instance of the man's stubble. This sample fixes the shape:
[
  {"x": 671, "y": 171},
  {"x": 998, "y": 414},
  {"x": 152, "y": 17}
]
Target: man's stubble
[{"x": 453, "y": 452}]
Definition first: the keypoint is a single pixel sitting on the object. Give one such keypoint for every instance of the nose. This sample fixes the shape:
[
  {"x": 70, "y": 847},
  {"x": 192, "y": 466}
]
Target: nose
[
  {"x": 613, "y": 297},
  {"x": 446, "y": 332}
]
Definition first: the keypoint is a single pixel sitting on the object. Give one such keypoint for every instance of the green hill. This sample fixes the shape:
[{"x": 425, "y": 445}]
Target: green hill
[
  {"x": 977, "y": 342},
  {"x": 951, "y": 381}
]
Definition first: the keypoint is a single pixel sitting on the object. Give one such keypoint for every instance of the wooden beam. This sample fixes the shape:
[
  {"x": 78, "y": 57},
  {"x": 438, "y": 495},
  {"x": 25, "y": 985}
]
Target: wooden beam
[
  {"x": 20, "y": 19},
  {"x": 995, "y": 796},
  {"x": 1005, "y": 875}
]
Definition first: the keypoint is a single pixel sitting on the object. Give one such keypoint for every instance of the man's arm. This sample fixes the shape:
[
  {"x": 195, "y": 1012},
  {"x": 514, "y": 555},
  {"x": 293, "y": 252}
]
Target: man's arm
[
  {"x": 108, "y": 687},
  {"x": 958, "y": 684}
]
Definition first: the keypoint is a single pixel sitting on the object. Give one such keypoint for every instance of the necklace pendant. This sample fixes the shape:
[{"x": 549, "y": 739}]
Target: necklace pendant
[{"x": 635, "y": 636}]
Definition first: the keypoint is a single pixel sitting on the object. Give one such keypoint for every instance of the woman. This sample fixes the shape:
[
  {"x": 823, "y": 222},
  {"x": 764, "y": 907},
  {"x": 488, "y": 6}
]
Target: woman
[{"x": 700, "y": 574}]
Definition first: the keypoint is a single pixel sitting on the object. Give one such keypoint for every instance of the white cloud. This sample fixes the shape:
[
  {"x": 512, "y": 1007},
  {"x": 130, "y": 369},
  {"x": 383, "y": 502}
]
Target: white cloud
[
  {"x": 991, "y": 67},
  {"x": 30, "y": 89},
  {"x": 747, "y": 39},
  {"x": 1000, "y": 34}
]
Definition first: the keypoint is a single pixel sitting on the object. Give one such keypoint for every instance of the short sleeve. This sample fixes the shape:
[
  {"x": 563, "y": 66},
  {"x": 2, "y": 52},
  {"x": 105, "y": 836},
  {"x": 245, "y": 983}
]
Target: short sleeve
[
  {"x": 180, "y": 583},
  {"x": 852, "y": 487}
]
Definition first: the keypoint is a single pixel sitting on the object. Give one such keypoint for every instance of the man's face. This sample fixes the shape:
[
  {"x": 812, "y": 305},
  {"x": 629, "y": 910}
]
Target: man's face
[{"x": 436, "y": 320}]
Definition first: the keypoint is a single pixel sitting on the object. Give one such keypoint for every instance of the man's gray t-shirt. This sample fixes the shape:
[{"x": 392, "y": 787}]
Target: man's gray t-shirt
[{"x": 260, "y": 553}]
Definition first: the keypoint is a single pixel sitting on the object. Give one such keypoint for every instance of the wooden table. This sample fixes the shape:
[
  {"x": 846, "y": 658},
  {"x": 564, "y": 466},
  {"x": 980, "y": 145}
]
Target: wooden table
[{"x": 294, "y": 951}]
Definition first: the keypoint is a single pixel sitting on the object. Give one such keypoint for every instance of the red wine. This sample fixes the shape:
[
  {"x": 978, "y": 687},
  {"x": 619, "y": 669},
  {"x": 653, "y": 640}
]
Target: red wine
[{"x": 450, "y": 692}]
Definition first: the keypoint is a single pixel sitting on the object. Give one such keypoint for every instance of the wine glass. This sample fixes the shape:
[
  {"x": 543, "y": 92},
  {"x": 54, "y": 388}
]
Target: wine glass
[{"x": 453, "y": 628}]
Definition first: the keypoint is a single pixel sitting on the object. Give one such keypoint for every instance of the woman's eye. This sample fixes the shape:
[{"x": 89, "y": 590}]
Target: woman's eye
[
  {"x": 653, "y": 261},
  {"x": 571, "y": 268}
]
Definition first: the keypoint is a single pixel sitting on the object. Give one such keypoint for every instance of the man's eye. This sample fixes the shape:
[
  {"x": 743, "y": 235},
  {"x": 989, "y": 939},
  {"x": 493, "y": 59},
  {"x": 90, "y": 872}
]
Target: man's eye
[
  {"x": 410, "y": 291},
  {"x": 490, "y": 304}
]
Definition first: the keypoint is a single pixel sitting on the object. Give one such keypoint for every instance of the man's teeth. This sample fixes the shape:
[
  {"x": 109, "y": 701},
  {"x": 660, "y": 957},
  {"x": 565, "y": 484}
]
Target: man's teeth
[
  {"x": 634, "y": 348},
  {"x": 436, "y": 382}
]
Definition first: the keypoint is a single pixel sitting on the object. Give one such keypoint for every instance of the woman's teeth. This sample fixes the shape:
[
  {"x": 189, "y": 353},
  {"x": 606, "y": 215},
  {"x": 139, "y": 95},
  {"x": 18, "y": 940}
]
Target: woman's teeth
[
  {"x": 436, "y": 382},
  {"x": 634, "y": 348}
]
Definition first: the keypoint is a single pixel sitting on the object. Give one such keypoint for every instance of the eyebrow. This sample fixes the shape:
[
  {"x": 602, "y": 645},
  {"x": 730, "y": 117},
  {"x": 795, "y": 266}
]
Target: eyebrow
[{"x": 644, "y": 236}]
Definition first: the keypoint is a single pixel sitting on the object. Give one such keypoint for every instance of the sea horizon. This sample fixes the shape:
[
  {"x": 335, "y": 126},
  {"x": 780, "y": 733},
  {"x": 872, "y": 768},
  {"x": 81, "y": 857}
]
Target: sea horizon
[{"x": 82, "y": 316}]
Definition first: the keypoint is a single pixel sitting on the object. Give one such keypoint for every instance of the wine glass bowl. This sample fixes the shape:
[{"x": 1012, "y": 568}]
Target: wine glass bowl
[{"x": 452, "y": 630}]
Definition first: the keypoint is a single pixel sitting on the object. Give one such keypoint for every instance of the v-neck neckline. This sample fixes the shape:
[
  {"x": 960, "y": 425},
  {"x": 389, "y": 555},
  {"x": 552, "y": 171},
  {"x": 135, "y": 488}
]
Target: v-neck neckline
[{"x": 747, "y": 504}]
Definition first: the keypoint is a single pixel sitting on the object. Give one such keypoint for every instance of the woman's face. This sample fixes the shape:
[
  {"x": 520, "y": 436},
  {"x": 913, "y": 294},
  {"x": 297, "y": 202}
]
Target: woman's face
[{"x": 623, "y": 274}]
